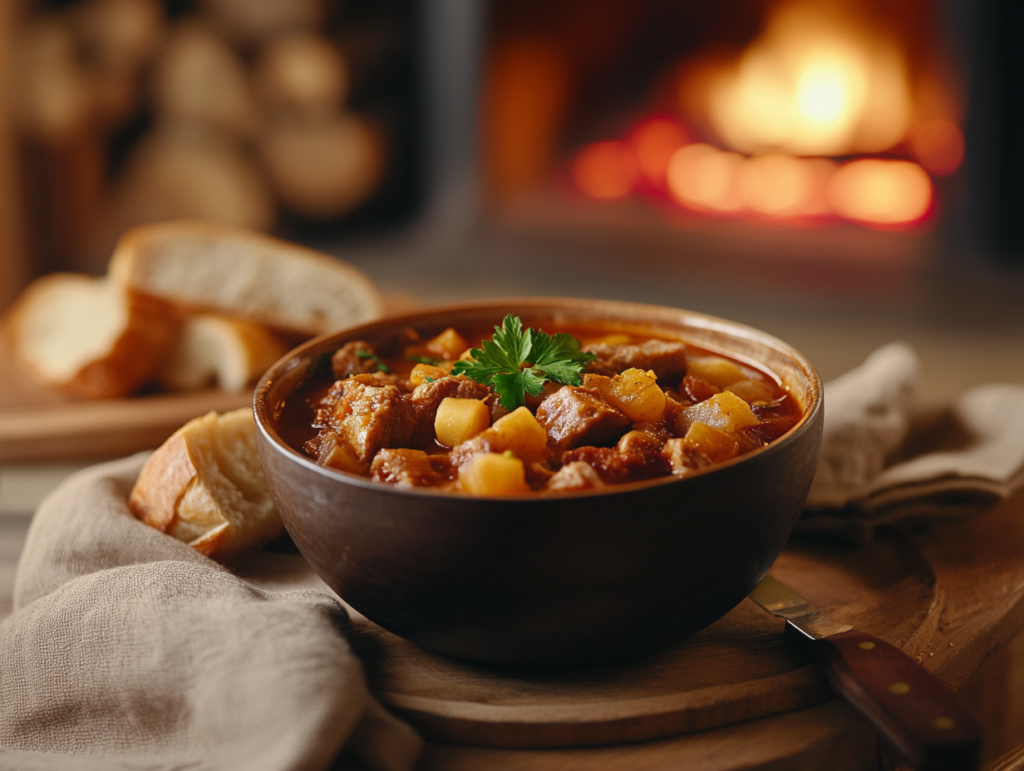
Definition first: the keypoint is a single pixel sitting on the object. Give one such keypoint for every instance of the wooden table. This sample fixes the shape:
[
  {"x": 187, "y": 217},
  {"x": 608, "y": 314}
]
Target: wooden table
[
  {"x": 971, "y": 641},
  {"x": 974, "y": 646}
]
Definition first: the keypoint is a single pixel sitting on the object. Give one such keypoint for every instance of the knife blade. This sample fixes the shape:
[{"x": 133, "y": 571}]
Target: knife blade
[{"x": 914, "y": 712}]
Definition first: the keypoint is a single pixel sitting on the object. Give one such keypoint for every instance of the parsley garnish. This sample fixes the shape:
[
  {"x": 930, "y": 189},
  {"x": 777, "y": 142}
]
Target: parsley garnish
[
  {"x": 362, "y": 353},
  {"x": 517, "y": 362}
]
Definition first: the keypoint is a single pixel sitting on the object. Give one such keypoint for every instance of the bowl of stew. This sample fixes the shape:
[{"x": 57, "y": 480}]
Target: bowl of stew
[{"x": 623, "y": 483}]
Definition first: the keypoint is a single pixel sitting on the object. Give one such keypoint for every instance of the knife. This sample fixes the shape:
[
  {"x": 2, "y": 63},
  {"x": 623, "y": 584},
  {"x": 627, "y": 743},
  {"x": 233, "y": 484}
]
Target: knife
[{"x": 916, "y": 713}]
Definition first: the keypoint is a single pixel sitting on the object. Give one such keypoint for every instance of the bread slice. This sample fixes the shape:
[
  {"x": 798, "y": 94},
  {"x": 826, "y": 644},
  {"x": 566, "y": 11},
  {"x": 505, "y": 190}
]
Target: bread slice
[
  {"x": 213, "y": 349},
  {"x": 86, "y": 335},
  {"x": 202, "y": 266},
  {"x": 205, "y": 486}
]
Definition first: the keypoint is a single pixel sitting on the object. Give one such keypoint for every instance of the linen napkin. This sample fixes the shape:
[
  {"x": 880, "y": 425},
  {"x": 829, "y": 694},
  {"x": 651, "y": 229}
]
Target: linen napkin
[
  {"x": 130, "y": 650},
  {"x": 885, "y": 458}
]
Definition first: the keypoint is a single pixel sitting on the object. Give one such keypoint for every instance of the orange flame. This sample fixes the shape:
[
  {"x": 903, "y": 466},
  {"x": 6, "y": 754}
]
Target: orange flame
[{"x": 814, "y": 83}]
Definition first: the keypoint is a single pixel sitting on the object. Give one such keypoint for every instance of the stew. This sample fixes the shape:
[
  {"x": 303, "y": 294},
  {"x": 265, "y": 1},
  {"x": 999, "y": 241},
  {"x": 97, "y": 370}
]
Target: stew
[{"x": 636, "y": 407}]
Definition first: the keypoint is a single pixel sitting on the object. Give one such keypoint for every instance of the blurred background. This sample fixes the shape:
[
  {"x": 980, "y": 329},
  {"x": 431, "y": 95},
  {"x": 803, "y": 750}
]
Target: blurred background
[{"x": 838, "y": 173}]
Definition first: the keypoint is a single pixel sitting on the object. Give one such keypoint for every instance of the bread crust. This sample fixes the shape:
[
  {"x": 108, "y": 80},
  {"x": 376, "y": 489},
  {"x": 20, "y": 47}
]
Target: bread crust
[
  {"x": 200, "y": 266},
  {"x": 162, "y": 483},
  {"x": 187, "y": 487},
  {"x": 128, "y": 361}
]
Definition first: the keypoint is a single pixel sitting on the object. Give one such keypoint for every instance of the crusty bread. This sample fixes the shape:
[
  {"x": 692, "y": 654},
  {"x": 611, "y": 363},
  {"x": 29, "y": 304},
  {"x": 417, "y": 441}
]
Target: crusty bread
[
  {"x": 213, "y": 349},
  {"x": 202, "y": 266},
  {"x": 86, "y": 335},
  {"x": 205, "y": 486}
]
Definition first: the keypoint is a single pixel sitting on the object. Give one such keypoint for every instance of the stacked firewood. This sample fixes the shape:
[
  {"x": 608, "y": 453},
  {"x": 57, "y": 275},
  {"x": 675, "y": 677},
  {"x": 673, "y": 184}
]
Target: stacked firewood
[{"x": 234, "y": 112}]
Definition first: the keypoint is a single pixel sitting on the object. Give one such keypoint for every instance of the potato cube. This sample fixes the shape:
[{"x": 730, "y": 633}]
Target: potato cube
[
  {"x": 460, "y": 419},
  {"x": 447, "y": 345},
  {"x": 716, "y": 370},
  {"x": 716, "y": 445},
  {"x": 421, "y": 372},
  {"x": 493, "y": 474},
  {"x": 519, "y": 432},
  {"x": 725, "y": 411},
  {"x": 636, "y": 394}
]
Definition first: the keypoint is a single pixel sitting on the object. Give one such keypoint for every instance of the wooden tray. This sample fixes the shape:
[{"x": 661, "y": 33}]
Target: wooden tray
[
  {"x": 39, "y": 425},
  {"x": 736, "y": 670}
]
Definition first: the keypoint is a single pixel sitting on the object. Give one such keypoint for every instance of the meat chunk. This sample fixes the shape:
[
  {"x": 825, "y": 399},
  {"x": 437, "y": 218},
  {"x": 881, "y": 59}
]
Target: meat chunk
[
  {"x": 365, "y": 417},
  {"x": 641, "y": 455},
  {"x": 575, "y": 416},
  {"x": 408, "y": 468},
  {"x": 683, "y": 458},
  {"x": 637, "y": 456},
  {"x": 356, "y": 358},
  {"x": 428, "y": 396},
  {"x": 606, "y": 461},
  {"x": 478, "y": 445},
  {"x": 666, "y": 358},
  {"x": 577, "y": 475}
]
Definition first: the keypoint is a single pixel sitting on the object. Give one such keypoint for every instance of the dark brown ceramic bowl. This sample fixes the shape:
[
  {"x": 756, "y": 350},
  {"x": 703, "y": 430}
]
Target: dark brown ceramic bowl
[{"x": 560, "y": 579}]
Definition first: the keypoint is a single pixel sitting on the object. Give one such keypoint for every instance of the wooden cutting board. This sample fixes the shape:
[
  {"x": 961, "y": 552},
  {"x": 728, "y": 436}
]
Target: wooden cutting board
[
  {"x": 736, "y": 670},
  {"x": 36, "y": 424}
]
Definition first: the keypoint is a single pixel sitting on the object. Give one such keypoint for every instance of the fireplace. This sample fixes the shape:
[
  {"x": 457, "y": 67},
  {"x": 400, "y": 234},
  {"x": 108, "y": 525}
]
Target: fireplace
[{"x": 790, "y": 131}]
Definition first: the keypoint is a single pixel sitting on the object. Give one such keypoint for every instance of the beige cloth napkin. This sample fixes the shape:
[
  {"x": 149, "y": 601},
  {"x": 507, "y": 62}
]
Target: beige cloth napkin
[
  {"x": 886, "y": 459},
  {"x": 130, "y": 650}
]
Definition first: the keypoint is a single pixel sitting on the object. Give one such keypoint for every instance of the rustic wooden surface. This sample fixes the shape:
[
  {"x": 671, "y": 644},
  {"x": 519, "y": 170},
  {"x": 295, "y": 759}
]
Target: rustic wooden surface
[
  {"x": 967, "y": 639},
  {"x": 978, "y": 568},
  {"x": 37, "y": 424},
  {"x": 738, "y": 669},
  {"x": 979, "y": 580}
]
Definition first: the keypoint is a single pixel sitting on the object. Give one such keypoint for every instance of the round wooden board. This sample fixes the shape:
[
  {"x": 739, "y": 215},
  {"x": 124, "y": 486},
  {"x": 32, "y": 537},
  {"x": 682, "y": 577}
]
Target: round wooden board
[{"x": 738, "y": 669}]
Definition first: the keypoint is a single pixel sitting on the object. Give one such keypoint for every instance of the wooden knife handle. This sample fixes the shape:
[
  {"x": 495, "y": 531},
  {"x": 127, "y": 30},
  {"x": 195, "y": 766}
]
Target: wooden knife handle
[{"x": 916, "y": 713}]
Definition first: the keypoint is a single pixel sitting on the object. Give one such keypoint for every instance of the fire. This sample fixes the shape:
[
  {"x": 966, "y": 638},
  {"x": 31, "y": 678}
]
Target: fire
[
  {"x": 883, "y": 192},
  {"x": 780, "y": 186},
  {"x": 703, "y": 177},
  {"x": 654, "y": 141},
  {"x": 817, "y": 88},
  {"x": 814, "y": 83}
]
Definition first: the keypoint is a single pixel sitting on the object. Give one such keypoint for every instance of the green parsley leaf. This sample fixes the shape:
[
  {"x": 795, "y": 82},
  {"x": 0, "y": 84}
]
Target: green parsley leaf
[
  {"x": 517, "y": 362},
  {"x": 362, "y": 353}
]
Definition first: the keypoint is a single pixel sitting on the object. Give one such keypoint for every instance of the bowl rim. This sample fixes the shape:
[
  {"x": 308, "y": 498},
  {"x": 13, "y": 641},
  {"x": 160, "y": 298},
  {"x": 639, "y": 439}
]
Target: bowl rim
[{"x": 650, "y": 313}]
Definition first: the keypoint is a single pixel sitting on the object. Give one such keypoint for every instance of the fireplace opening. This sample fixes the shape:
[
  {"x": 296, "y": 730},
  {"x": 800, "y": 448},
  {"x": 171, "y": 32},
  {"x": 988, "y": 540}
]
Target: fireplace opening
[{"x": 776, "y": 118}]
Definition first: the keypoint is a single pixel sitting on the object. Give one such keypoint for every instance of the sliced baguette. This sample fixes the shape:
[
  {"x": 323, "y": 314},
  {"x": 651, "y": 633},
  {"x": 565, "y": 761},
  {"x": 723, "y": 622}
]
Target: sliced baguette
[
  {"x": 213, "y": 349},
  {"x": 202, "y": 266},
  {"x": 205, "y": 486},
  {"x": 86, "y": 335}
]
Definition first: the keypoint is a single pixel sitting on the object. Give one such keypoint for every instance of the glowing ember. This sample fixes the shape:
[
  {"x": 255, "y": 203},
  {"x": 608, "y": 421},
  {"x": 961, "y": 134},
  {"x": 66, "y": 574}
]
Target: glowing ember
[
  {"x": 654, "y": 141},
  {"x": 605, "y": 170},
  {"x": 818, "y": 81},
  {"x": 883, "y": 192},
  {"x": 778, "y": 185},
  {"x": 701, "y": 176}
]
